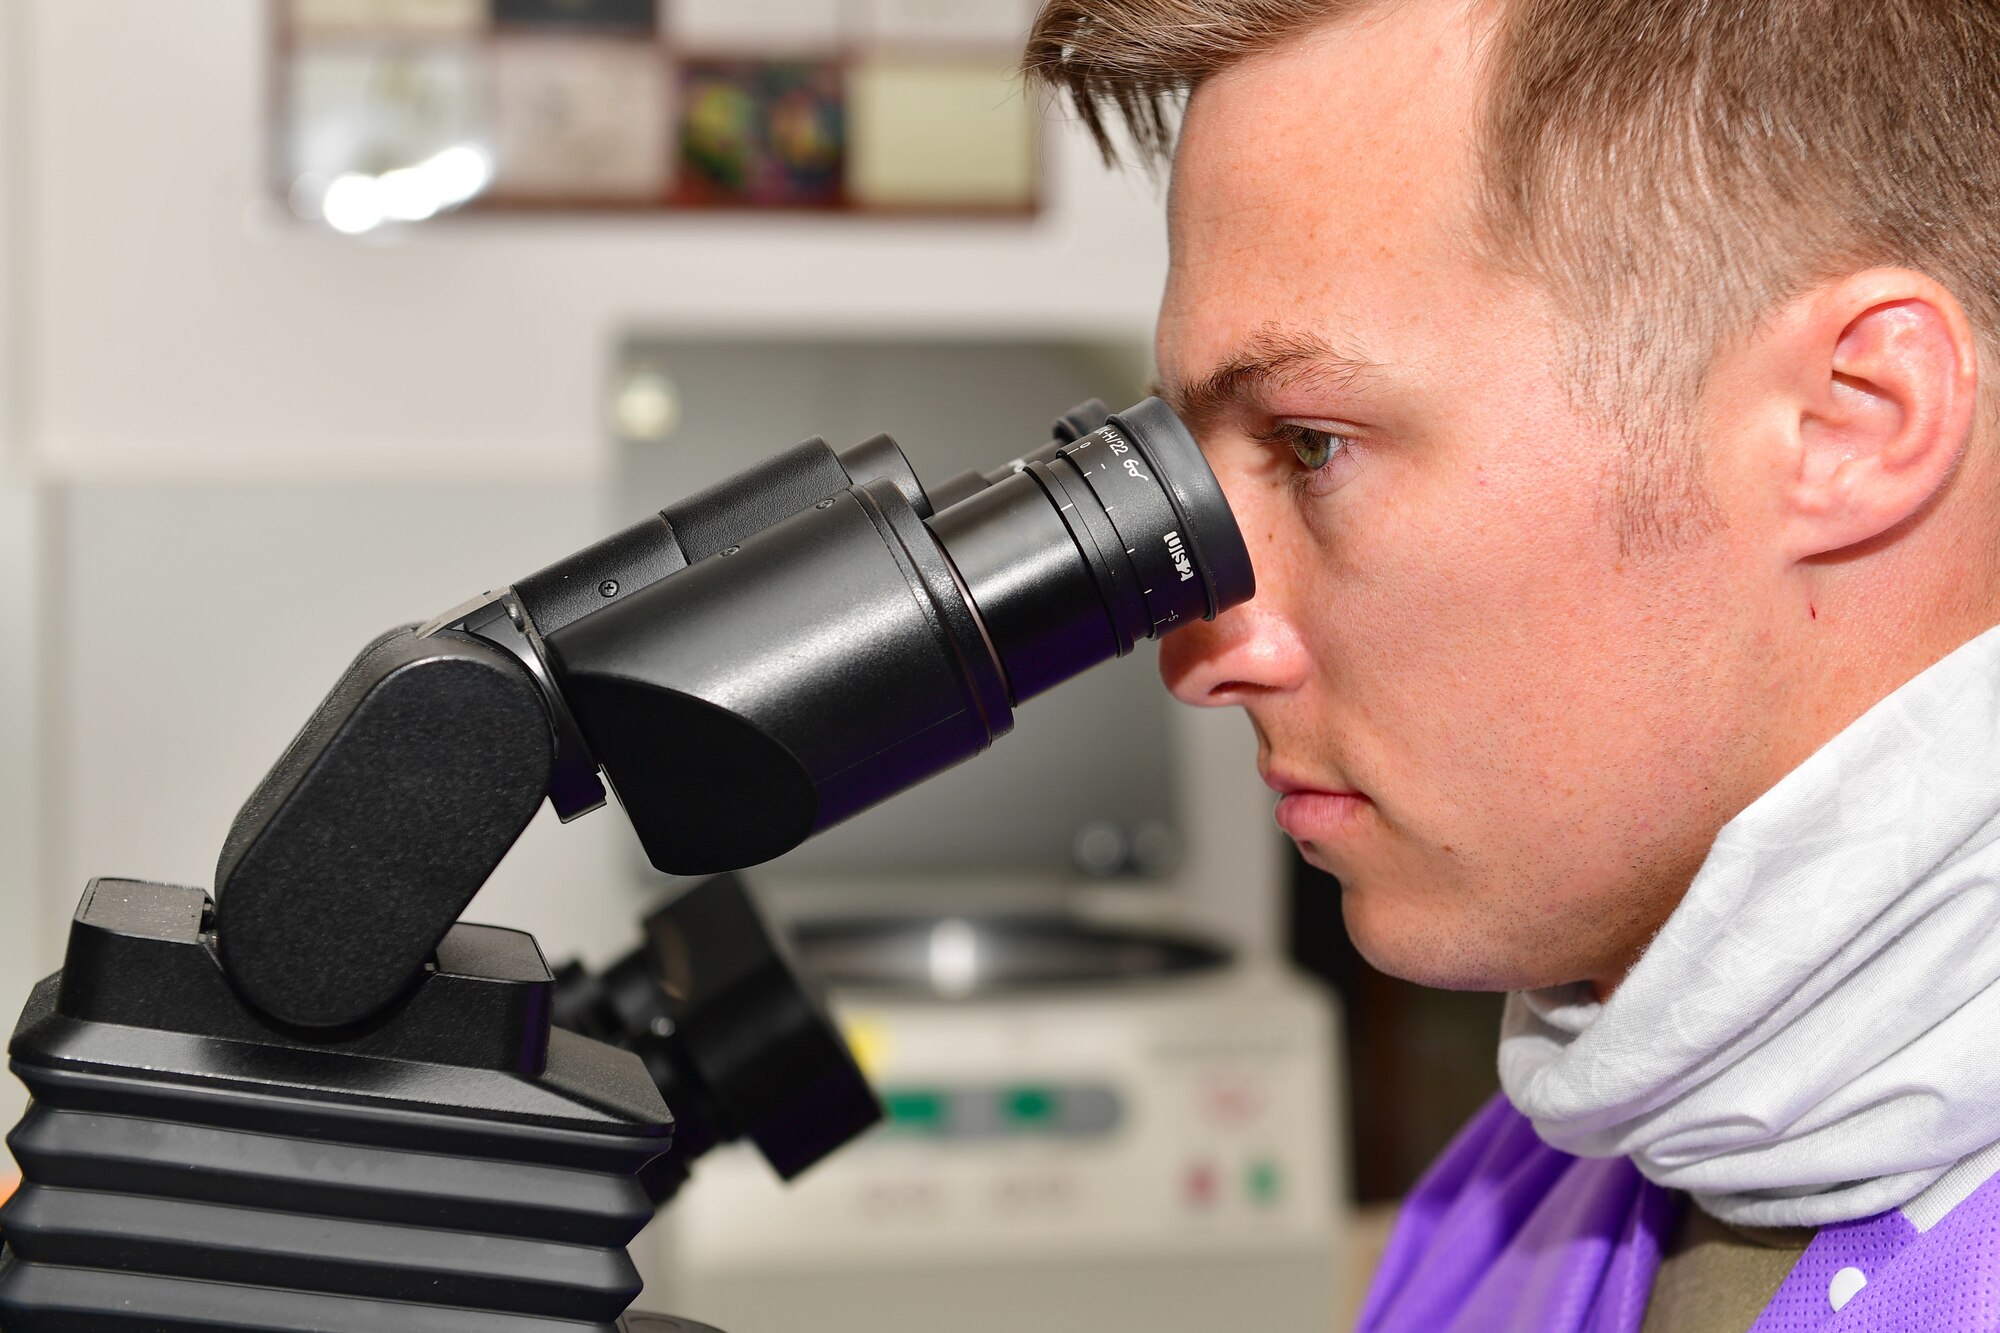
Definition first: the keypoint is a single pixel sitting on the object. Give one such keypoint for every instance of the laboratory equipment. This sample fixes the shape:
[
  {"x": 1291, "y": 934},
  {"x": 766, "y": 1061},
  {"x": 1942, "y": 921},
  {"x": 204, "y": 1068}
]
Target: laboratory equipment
[{"x": 318, "y": 1101}]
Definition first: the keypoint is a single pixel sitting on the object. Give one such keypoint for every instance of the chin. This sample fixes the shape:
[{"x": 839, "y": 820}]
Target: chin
[{"x": 1403, "y": 940}]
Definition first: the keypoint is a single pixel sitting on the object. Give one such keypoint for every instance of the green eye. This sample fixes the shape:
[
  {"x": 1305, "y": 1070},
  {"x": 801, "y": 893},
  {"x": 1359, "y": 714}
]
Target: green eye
[{"x": 1313, "y": 448}]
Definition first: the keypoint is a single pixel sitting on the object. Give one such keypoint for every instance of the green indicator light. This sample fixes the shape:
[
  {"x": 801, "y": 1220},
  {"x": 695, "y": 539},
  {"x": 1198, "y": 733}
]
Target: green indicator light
[
  {"x": 914, "y": 1109},
  {"x": 1265, "y": 1185},
  {"x": 1030, "y": 1106}
]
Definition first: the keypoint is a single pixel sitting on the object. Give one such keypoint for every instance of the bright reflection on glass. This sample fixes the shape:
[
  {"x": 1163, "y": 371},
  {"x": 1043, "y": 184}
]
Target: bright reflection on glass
[
  {"x": 954, "y": 958},
  {"x": 355, "y": 202},
  {"x": 408, "y": 195},
  {"x": 458, "y": 174}
]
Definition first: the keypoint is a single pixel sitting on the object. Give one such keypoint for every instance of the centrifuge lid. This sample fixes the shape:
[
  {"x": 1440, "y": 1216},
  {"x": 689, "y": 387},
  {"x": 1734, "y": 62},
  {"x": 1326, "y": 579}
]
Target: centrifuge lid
[{"x": 958, "y": 957}]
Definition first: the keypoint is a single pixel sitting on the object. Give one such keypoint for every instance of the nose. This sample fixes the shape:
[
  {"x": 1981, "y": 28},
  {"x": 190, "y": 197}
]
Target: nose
[{"x": 1244, "y": 655}]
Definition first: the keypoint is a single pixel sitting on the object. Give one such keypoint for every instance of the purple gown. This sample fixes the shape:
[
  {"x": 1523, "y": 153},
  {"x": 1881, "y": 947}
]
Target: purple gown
[{"x": 1507, "y": 1235}]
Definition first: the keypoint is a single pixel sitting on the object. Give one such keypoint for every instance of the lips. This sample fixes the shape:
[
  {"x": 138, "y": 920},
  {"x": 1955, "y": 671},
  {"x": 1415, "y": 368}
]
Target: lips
[{"x": 1315, "y": 814}]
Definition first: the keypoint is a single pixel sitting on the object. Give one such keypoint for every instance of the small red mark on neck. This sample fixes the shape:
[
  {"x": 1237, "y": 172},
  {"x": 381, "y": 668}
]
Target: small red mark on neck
[{"x": 1815, "y": 610}]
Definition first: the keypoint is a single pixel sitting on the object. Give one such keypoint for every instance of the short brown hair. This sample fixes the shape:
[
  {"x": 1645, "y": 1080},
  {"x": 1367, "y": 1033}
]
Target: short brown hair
[{"x": 1669, "y": 169}]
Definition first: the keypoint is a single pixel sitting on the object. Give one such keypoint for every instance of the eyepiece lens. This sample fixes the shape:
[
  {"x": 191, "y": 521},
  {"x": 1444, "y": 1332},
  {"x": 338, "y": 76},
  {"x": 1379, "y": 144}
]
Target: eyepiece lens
[
  {"x": 1209, "y": 530},
  {"x": 1119, "y": 535}
]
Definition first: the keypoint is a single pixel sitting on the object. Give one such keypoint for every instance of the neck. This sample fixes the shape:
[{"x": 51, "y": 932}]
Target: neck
[{"x": 1833, "y": 638}]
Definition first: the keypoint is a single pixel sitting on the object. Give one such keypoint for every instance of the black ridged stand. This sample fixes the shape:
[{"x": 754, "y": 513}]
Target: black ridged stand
[{"x": 457, "y": 1167}]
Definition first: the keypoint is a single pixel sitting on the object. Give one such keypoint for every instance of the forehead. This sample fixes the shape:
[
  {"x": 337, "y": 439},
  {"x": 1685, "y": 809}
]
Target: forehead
[{"x": 1327, "y": 183}]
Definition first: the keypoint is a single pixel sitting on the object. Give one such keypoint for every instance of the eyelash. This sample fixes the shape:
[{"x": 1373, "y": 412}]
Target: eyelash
[{"x": 1301, "y": 440}]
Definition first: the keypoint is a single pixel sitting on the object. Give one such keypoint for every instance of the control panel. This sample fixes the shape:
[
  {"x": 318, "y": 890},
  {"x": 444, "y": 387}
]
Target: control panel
[{"x": 1184, "y": 1116}]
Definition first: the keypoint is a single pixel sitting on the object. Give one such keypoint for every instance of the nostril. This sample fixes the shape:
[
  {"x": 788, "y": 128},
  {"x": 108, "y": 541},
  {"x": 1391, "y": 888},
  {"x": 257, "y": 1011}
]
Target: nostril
[{"x": 1235, "y": 691}]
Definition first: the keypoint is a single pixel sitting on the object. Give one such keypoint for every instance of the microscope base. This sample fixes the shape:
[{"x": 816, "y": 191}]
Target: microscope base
[{"x": 458, "y": 1168}]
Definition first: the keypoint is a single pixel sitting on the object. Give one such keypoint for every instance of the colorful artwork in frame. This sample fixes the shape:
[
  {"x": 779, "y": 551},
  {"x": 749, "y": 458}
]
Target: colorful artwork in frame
[{"x": 762, "y": 133}]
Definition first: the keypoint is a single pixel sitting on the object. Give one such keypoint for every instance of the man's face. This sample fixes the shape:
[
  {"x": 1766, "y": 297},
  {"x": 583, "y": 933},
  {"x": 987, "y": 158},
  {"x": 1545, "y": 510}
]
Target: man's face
[{"x": 1510, "y": 731}]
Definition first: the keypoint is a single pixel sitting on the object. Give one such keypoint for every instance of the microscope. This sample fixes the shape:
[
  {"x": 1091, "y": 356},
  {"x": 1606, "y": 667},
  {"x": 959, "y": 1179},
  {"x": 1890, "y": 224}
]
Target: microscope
[{"x": 317, "y": 1100}]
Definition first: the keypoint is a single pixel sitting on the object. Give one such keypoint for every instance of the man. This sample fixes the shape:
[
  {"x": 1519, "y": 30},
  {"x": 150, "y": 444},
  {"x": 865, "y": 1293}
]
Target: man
[{"x": 1599, "y": 386}]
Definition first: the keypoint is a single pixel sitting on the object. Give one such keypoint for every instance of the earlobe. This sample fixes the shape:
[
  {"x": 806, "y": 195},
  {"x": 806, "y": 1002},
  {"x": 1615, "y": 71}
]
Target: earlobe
[{"x": 1889, "y": 382}]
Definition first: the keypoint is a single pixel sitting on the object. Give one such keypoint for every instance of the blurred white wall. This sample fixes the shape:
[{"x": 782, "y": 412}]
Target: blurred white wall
[
  {"x": 21, "y": 937},
  {"x": 24, "y": 954}
]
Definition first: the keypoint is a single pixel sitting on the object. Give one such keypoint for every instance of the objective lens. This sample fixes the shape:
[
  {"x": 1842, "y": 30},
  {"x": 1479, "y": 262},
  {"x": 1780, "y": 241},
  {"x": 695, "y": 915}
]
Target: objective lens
[
  {"x": 738, "y": 1042},
  {"x": 851, "y": 650}
]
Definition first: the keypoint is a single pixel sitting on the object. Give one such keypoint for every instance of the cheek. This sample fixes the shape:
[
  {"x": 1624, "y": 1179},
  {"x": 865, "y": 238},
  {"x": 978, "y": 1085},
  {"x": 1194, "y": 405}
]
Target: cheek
[
  {"x": 1479, "y": 621},
  {"x": 1526, "y": 681}
]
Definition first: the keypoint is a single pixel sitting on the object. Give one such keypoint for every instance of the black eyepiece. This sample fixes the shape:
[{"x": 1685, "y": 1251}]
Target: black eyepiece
[
  {"x": 1116, "y": 536},
  {"x": 858, "y": 646},
  {"x": 1213, "y": 540}
]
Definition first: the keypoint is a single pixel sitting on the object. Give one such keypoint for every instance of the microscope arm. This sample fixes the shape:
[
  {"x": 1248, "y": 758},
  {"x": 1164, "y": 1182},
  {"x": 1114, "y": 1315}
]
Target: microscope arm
[{"x": 383, "y": 818}]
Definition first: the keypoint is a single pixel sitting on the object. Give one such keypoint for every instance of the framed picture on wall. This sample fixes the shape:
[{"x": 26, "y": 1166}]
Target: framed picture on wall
[{"x": 402, "y": 110}]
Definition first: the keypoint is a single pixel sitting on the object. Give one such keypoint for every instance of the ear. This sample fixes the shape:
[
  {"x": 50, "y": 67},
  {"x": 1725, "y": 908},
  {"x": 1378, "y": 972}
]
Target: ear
[{"x": 1885, "y": 376}]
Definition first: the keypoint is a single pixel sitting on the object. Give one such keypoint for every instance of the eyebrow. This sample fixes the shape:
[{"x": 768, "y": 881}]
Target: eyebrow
[{"x": 1271, "y": 353}]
